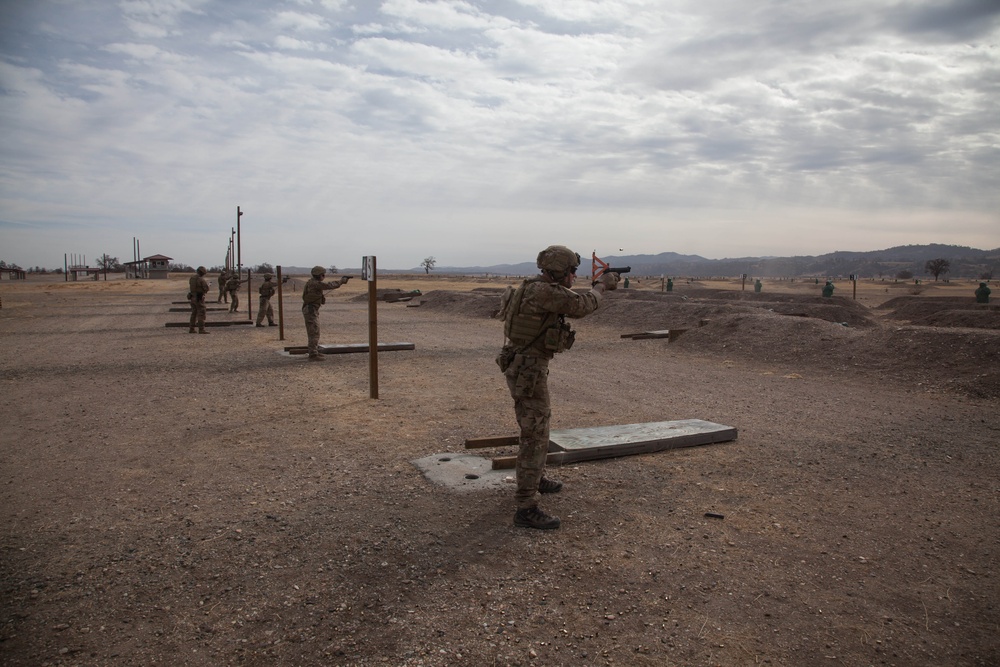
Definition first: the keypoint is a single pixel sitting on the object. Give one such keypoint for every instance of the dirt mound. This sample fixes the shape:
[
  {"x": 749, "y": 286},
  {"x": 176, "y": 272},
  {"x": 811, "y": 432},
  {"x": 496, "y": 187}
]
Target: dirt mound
[
  {"x": 481, "y": 302},
  {"x": 798, "y": 332},
  {"x": 943, "y": 312}
]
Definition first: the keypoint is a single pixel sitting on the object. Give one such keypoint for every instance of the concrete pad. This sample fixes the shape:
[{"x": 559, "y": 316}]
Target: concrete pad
[{"x": 463, "y": 473}]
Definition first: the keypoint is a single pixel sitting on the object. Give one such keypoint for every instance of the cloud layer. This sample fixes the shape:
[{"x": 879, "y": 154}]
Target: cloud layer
[{"x": 479, "y": 132}]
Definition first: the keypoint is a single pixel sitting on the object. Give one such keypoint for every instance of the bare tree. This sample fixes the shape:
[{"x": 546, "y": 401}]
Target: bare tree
[
  {"x": 936, "y": 267},
  {"x": 108, "y": 263},
  {"x": 333, "y": 270},
  {"x": 428, "y": 264}
]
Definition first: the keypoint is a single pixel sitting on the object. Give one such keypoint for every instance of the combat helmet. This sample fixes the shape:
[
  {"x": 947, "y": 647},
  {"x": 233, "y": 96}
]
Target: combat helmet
[
  {"x": 202, "y": 270},
  {"x": 558, "y": 260},
  {"x": 268, "y": 276},
  {"x": 318, "y": 271}
]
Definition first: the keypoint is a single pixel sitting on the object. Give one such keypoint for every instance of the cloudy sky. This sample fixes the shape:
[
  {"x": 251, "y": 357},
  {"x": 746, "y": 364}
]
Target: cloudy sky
[{"x": 480, "y": 131}]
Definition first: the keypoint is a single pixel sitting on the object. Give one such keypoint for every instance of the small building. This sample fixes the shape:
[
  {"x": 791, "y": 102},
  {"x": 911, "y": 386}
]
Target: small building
[
  {"x": 154, "y": 266},
  {"x": 13, "y": 273},
  {"x": 159, "y": 266}
]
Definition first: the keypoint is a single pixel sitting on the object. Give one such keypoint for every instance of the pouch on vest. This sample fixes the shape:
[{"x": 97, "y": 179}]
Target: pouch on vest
[{"x": 506, "y": 358}]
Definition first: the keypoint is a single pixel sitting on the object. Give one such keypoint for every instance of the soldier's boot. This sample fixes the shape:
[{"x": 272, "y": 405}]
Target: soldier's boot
[
  {"x": 272, "y": 324},
  {"x": 191, "y": 330},
  {"x": 203, "y": 331},
  {"x": 547, "y": 485},
  {"x": 533, "y": 517},
  {"x": 260, "y": 325},
  {"x": 316, "y": 357}
]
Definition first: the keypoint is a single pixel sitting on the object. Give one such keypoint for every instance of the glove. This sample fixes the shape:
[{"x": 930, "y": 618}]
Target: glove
[
  {"x": 609, "y": 280},
  {"x": 343, "y": 280}
]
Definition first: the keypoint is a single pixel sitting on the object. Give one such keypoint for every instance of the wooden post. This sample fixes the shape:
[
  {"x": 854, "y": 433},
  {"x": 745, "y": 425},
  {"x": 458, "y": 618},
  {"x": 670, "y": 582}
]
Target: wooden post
[
  {"x": 372, "y": 327},
  {"x": 854, "y": 279},
  {"x": 281, "y": 311},
  {"x": 249, "y": 297}
]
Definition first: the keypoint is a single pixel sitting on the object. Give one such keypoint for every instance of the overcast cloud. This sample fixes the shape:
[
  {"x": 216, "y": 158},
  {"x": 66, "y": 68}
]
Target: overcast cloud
[{"x": 480, "y": 132}]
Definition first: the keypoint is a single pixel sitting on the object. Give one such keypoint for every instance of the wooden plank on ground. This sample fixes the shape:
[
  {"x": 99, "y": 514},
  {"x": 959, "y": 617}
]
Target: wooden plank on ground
[
  {"x": 586, "y": 444},
  {"x": 188, "y": 310},
  {"x": 659, "y": 333},
  {"x": 348, "y": 348},
  {"x": 495, "y": 441},
  {"x": 215, "y": 323},
  {"x": 670, "y": 334}
]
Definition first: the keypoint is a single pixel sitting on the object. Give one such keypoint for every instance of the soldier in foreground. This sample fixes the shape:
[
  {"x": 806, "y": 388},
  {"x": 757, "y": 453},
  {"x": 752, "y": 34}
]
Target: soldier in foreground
[
  {"x": 828, "y": 289},
  {"x": 312, "y": 298},
  {"x": 535, "y": 330},
  {"x": 266, "y": 291},
  {"x": 197, "y": 289},
  {"x": 233, "y": 288}
]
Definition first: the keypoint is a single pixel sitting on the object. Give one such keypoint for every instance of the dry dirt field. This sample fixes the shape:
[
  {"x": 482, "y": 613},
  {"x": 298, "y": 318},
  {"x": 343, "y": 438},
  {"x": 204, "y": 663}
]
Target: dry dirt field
[{"x": 207, "y": 500}]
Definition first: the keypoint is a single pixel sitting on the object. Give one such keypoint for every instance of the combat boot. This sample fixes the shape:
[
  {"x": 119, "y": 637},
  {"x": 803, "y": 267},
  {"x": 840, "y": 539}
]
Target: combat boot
[
  {"x": 547, "y": 485},
  {"x": 272, "y": 324},
  {"x": 533, "y": 517},
  {"x": 261, "y": 326},
  {"x": 316, "y": 357},
  {"x": 203, "y": 331},
  {"x": 191, "y": 330}
]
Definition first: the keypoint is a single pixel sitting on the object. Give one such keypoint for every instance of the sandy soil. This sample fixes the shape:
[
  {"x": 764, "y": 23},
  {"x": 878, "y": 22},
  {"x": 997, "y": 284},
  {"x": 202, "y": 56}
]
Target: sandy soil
[{"x": 208, "y": 500}]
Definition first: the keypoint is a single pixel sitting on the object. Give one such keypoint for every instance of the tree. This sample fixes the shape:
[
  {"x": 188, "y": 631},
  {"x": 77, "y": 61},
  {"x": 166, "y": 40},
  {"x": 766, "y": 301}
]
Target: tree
[
  {"x": 263, "y": 267},
  {"x": 333, "y": 270},
  {"x": 108, "y": 263},
  {"x": 905, "y": 274},
  {"x": 936, "y": 267},
  {"x": 428, "y": 264}
]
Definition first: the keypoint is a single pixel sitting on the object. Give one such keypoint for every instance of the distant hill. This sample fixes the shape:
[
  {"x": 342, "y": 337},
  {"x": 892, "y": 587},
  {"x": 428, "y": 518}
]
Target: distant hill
[{"x": 965, "y": 263}]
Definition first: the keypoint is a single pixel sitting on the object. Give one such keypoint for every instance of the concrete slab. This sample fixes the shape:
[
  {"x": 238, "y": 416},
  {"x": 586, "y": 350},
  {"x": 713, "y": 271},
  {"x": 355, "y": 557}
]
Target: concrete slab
[{"x": 463, "y": 473}]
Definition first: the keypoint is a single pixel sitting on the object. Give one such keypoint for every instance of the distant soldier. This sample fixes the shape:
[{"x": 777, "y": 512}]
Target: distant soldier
[
  {"x": 233, "y": 288},
  {"x": 223, "y": 278},
  {"x": 197, "y": 289},
  {"x": 757, "y": 286},
  {"x": 670, "y": 284},
  {"x": 312, "y": 299},
  {"x": 983, "y": 293},
  {"x": 266, "y": 291},
  {"x": 828, "y": 289}
]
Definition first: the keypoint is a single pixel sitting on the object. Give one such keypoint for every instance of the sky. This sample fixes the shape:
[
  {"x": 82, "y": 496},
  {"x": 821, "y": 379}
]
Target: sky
[{"x": 479, "y": 132}]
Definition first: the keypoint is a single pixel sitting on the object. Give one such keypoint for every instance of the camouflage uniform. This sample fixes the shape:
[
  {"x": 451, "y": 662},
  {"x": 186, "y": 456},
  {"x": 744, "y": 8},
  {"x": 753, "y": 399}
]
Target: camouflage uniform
[
  {"x": 223, "y": 278},
  {"x": 233, "y": 287},
  {"x": 312, "y": 299},
  {"x": 266, "y": 291},
  {"x": 828, "y": 289},
  {"x": 535, "y": 330},
  {"x": 197, "y": 289}
]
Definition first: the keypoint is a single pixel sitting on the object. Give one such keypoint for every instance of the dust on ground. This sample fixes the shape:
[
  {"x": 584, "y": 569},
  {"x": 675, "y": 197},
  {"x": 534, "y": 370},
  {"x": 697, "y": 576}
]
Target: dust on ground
[{"x": 208, "y": 500}]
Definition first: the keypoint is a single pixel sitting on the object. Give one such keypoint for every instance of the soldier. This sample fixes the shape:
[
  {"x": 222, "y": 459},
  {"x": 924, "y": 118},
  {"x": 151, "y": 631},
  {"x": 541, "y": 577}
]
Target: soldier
[
  {"x": 535, "y": 329},
  {"x": 828, "y": 289},
  {"x": 983, "y": 293},
  {"x": 223, "y": 277},
  {"x": 757, "y": 285},
  {"x": 312, "y": 299},
  {"x": 197, "y": 289},
  {"x": 266, "y": 291},
  {"x": 233, "y": 288}
]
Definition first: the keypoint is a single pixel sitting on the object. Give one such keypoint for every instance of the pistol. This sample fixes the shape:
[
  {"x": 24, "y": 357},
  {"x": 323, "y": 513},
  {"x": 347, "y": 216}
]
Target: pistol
[{"x": 613, "y": 269}]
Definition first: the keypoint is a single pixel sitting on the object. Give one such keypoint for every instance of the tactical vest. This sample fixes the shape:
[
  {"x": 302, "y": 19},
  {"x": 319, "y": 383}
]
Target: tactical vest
[
  {"x": 312, "y": 293},
  {"x": 545, "y": 332},
  {"x": 266, "y": 290}
]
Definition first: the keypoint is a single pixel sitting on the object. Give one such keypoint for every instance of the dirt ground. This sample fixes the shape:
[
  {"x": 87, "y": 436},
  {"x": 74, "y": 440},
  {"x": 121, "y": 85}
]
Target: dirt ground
[{"x": 181, "y": 499}]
